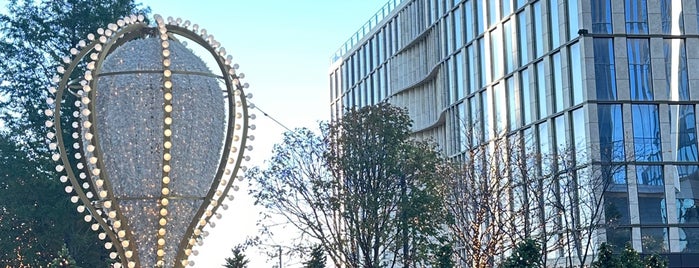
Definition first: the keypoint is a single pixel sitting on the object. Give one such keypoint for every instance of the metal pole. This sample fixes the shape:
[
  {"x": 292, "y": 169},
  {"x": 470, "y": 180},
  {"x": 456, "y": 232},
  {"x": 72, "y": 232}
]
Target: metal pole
[{"x": 280, "y": 256}]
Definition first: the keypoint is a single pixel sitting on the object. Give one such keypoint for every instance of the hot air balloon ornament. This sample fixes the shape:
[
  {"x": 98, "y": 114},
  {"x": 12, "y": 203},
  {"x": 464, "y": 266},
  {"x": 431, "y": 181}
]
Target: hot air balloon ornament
[{"x": 149, "y": 140}]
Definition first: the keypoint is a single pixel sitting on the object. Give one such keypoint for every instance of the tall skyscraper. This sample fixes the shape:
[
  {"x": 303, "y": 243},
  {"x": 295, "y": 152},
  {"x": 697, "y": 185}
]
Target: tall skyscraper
[{"x": 608, "y": 80}]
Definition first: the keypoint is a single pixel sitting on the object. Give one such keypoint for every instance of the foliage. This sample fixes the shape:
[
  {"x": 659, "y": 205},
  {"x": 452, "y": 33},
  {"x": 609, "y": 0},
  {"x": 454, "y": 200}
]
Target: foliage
[
  {"x": 239, "y": 260},
  {"x": 367, "y": 192},
  {"x": 526, "y": 254},
  {"x": 655, "y": 261},
  {"x": 35, "y": 215},
  {"x": 318, "y": 258},
  {"x": 63, "y": 260},
  {"x": 630, "y": 258},
  {"x": 444, "y": 256},
  {"x": 606, "y": 258}
]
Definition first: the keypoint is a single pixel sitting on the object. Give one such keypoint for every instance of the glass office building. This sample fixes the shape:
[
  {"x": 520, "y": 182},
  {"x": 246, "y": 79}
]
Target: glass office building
[{"x": 615, "y": 81}]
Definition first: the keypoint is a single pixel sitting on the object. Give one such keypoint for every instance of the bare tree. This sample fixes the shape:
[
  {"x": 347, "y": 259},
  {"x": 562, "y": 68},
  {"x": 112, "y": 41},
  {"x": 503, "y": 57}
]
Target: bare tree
[{"x": 368, "y": 193}]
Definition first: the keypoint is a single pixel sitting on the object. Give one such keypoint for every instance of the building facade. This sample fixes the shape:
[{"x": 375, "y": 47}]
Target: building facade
[{"x": 617, "y": 82}]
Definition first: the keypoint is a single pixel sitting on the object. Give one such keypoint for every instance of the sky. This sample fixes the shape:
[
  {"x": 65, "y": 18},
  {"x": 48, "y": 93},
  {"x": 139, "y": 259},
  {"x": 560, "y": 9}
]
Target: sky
[{"x": 284, "y": 49}]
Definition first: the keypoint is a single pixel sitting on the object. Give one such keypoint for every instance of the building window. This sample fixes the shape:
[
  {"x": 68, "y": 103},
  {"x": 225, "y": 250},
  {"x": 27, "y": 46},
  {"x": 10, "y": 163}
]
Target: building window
[
  {"x": 601, "y": 16},
  {"x": 462, "y": 132},
  {"x": 557, "y": 84},
  {"x": 526, "y": 96},
  {"x": 496, "y": 53},
  {"x": 579, "y": 136},
  {"x": 506, "y": 8},
  {"x": 470, "y": 69},
  {"x": 486, "y": 100},
  {"x": 672, "y": 17},
  {"x": 684, "y": 133},
  {"x": 480, "y": 21},
  {"x": 640, "y": 79},
  {"x": 509, "y": 49},
  {"x": 458, "y": 28},
  {"x": 605, "y": 73},
  {"x": 459, "y": 76},
  {"x": 475, "y": 124},
  {"x": 677, "y": 80},
  {"x": 636, "y": 16},
  {"x": 553, "y": 16},
  {"x": 646, "y": 133},
  {"x": 538, "y": 29},
  {"x": 468, "y": 20},
  {"x": 689, "y": 240},
  {"x": 611, "y": 133},
  {"x": 576, "y": 80},
  {"x": 687, "y": 202},
  {"x": 651, "y": 195},
  {"x": 499, "y": 109},
  {"x": 573, "y": 21},
  {"x": 521, "y": 3},
  {"x": 619, "y": 236},
  {"x": 561, "y": 140},
  {"x": 650, "y": 175},
  {"x": 545, "y": 153},
  {"x": 482, "y": 56},
  {"x": 493, "y": 17},
  {"x": 523, "y": 38},
  {"x": 654, "y": 240},
  {"x": 616, "y": 208},
  {"x": 512, "y": 105},
  {"x": 542, "y": 100}
]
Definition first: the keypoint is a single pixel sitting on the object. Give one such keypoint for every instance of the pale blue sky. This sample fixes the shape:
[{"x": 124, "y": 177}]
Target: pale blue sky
[{"x": 284, "y": 49}]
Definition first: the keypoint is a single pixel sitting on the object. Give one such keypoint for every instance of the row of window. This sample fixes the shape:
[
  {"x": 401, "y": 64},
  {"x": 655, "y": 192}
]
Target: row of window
[
  {"x": 636, "y": 16},
  {"x": 498, "y": 43},
  {"x": 640, "y": 70},
  {"x": 655, "y": 239}
]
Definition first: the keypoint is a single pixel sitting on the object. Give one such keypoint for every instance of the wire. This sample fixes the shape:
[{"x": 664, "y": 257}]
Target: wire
[{"x": 255, "y": 106}]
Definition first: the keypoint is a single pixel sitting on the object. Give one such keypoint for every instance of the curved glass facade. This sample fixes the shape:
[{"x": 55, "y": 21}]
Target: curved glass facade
[{"x": 605, "y": 79}]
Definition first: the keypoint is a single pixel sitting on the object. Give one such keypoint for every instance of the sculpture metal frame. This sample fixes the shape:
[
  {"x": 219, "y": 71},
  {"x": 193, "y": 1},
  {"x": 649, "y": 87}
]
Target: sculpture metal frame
[{"x": 94, "y": 189}]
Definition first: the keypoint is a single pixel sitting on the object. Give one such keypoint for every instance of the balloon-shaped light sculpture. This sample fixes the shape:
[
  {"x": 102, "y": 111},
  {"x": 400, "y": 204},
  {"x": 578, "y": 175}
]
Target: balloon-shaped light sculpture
[{"x": 149, "y": 140}]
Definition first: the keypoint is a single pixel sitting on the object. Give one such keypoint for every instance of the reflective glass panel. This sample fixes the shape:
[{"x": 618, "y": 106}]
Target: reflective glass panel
[
  {"x": 601, "y": 16},
  {"x": 523, "y": 38},
  {"x": 616, "y": 208},
  {"x": 557, "y": 89},
  {"x": 573, "y": 21},
  {"x": 579, "y": 136},
  {"x": 646, "y": 133},
  {"x": 636, "y": 12},
  {"x": 684, "y": 133},
  {"x": 459, "y": 75},
  {"x": 468, "y": 19},
  {"x": 509, "y": 49},
  {"x": 499, "y": 108},
  {"x": 496, "y": 53},
  {"x": 538, "y": 30},
  {"x": 513, "y": 106},
  {"x": 576, "y": 73},
  {"x": 526, "y": 96},
  {"x": 654, "y": 240},
  {"x": 689, "y": 240},
  {"x": 676, "y": 77},
  {"x": 553, "y": 19},
  {"x": 458, "y": 29},
  {"x": 605, "y": 73},
  {"x": 611, "y": 133},
  {"x": 541, "y": 89},
  {"x": 672, "y": 17},
  {"x": 640, "y": 79}
]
